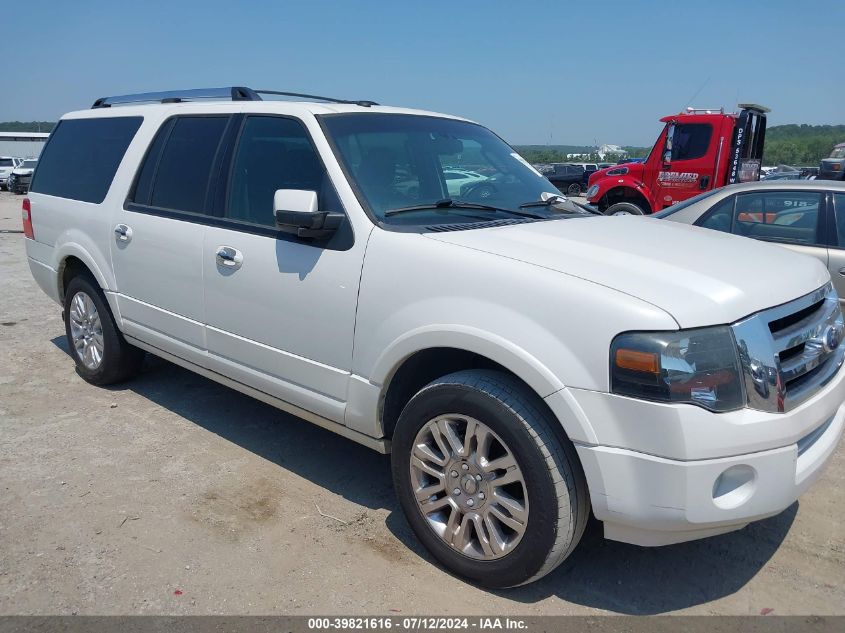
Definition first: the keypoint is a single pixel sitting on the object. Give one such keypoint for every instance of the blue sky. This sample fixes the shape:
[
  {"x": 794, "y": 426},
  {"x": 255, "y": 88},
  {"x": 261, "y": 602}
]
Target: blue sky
[{"x": 535, "y": 72}]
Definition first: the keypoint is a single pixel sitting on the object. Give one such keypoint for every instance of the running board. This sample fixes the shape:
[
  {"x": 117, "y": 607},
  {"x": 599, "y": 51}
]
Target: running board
[{"x": 380, "y": 445}]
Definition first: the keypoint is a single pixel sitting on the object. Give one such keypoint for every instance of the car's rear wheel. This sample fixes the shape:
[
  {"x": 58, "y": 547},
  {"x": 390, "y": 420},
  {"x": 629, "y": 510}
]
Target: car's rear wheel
[
  {"x": 624, "y": 208},
  {"x": 101, "y": 354},
  {"x": 574, "y": 189},
  {"x": 485, "y": 482}
]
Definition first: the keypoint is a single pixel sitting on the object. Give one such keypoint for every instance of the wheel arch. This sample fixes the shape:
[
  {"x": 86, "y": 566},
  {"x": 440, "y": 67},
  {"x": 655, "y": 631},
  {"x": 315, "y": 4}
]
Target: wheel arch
[
  {"x": 626, "y": 192},
  {"x": 406, "y": 369},
  {"x": 72, "y": 259}
]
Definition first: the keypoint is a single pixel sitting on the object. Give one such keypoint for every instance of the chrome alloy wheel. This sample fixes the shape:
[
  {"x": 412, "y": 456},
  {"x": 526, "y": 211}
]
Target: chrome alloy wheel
[
  {"x": 86, "y": 331},
  {"x": 469, "y": 487}
]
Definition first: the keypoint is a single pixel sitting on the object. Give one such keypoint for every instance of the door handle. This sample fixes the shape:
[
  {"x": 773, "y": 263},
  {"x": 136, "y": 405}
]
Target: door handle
[
  {"x": 229, "y": 257},
  {"x": 842, "y": 271},
  {"x": 123, "y": 233},
  {"x": 704, "y": 182}
]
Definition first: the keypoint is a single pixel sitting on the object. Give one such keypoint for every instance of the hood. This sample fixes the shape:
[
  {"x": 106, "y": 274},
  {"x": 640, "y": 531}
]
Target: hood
[
  {"x": 699, "y": 276},
  {"x": 635, "y": 170}
]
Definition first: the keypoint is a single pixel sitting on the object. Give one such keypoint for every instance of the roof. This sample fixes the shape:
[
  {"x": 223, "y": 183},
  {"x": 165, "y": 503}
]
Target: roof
[
  {"x": 293, "y": 108},
  {"x": 24, "y": 136}
]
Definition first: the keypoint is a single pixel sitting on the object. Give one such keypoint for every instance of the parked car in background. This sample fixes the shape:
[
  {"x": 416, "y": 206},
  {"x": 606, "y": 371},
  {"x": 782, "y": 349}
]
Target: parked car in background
[
  {"x": 21, "y": 176},
  {"x": 568, "y": 178},
  {"x": 783, "y": 172},
  {"x": 458, "y": 180},
  {"x": 804, "y": 216},
  {"x": 7, "y": 164},
  {"x": 833, "y": 167},
  {"x": 625, "y": 161}
]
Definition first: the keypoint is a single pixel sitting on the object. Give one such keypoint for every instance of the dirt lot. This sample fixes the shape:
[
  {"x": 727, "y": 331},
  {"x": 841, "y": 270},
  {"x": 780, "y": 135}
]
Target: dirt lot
[{"x": 172, "y": 494}]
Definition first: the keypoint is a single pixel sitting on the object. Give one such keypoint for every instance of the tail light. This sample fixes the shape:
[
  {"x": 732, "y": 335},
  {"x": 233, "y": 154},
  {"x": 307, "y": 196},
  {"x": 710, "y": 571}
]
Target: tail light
[{"x": 26, "y": 214}]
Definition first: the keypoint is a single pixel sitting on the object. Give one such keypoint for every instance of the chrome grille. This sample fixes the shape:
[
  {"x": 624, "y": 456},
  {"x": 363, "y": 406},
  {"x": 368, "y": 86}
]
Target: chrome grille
[{"x": 791, "y": 351}]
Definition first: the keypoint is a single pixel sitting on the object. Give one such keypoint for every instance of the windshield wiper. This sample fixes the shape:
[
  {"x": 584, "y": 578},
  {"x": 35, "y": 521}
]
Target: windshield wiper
[
  {"x": 448, "y": 203},
  {"x": 554, "y": 199}
]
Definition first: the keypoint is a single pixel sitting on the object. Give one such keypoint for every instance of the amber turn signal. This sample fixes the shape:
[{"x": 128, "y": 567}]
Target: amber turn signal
[{"x": 637, "y": 361}]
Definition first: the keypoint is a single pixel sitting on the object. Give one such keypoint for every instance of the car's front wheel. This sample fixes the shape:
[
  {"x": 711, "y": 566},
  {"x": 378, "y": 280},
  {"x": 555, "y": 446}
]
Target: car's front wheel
[
  {"x": 493, "y": 492},
  {"x": 101, "y": 353}
]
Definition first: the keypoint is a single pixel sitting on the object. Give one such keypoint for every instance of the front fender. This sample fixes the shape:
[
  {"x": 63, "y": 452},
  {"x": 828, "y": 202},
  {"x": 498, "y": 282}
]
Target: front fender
[{"x": 609, "y": 183}]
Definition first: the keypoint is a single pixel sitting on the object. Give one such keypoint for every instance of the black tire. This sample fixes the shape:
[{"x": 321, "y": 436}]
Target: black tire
[
  {"x": 574, "y": 189},
  {"x": 120, "y": 360},
  {"x": 554, "y": 479},
  {"x": 624, "y": 208}
]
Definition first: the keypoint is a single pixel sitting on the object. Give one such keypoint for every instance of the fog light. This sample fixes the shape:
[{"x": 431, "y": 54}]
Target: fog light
[{"x": 734, "y": 487}]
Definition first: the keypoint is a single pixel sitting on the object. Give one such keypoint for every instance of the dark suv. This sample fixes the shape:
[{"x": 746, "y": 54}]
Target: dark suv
[
  {"x": 833, "y": 167},
  {"x": 567, "y": 178}
]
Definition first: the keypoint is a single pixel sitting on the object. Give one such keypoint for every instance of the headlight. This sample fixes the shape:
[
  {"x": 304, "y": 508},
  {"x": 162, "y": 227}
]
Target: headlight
[
  {"x": 698, "y": 367},
  {"x": 592, "y": 191}
]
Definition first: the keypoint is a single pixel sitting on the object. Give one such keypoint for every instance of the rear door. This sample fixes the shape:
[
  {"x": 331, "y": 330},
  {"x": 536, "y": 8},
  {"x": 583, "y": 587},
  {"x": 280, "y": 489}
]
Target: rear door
[
  {"x": 158, "y": 237},
  {"x": 692, "y": 148}
]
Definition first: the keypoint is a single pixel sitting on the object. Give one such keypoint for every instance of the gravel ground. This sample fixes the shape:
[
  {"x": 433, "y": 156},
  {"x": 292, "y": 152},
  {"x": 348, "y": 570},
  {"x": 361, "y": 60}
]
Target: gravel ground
[{"x": 173, "y": 495}]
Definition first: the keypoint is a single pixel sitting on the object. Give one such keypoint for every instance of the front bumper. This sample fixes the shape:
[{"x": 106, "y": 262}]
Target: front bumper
[
  {"x": 829, "y": 174},
  {"x": 646, "y": 499}
]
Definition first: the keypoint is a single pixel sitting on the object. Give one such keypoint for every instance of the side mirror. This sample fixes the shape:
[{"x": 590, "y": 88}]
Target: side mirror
[
  {"x": 667, "y": 150},
  {"x": 296, "y": 212}
]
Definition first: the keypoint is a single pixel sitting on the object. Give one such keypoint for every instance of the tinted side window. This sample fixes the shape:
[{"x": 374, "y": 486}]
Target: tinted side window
[
  {"x": 82, "y": 156},
  {"x": 691, "y": 140},
  {"x": 720, "y": 217},
  {"x": 274, "y": 153},
  {"x": 182, "y": 178},
  {"x": 779, "y": 216}
]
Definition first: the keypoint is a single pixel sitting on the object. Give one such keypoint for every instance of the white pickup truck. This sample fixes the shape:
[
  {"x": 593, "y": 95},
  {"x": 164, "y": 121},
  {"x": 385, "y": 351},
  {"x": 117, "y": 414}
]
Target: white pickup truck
[{"x": 524, "y": 361}]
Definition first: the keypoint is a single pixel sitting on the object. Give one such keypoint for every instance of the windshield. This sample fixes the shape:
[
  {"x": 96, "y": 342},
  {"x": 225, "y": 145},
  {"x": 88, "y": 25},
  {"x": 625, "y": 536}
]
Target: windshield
[
  {"x": 398, "y": 161},
  {"x": 29, "y": 164},
  {"x": 838, "y": 152},
  {"x": 683, "y": 205}
]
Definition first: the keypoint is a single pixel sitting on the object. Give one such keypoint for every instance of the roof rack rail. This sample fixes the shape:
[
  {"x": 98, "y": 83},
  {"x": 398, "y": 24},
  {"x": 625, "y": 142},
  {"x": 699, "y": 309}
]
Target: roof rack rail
[
  {"x": 359, "y": 102},
  {"x": 235, "y": 93}
]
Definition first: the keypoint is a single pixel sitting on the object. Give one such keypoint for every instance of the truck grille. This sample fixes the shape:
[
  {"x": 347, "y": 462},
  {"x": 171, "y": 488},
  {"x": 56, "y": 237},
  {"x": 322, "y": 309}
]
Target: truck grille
[{"x": 791, "y": 351}]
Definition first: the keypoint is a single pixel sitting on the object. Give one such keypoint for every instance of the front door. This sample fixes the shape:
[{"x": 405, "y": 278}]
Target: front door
[
  {"x": 158, "y": 236},
  {"x": 690, "y": 149},
  {"x": 280, "y": 311}
]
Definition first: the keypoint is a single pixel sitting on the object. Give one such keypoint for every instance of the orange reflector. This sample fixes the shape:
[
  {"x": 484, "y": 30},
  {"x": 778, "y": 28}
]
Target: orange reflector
[{"x": 637, "y": 361}]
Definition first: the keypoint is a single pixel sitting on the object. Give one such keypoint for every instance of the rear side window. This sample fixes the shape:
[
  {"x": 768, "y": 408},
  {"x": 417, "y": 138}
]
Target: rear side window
[
  {"x": 82, "y": 156},
  {"x": 6, "y": 162},
  {"x": 182, "y": 176}
]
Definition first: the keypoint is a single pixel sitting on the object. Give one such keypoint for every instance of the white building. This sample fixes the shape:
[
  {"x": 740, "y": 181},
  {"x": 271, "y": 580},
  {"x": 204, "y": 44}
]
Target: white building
[
  {"x": 615, "y": 150},
  {"x": 22, "y": 144}
]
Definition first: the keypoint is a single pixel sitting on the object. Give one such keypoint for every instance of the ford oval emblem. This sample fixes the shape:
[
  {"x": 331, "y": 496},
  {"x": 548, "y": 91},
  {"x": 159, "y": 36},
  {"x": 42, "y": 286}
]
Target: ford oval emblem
[{"x": 831, "y": 338}]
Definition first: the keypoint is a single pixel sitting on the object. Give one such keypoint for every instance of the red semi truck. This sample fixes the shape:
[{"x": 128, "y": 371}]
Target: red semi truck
[{"x": 697, "y": 150}]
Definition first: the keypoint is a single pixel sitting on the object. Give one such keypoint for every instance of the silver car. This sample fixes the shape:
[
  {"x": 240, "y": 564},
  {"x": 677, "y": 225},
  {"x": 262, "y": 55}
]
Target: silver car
[{"x": 805, "y": 216}]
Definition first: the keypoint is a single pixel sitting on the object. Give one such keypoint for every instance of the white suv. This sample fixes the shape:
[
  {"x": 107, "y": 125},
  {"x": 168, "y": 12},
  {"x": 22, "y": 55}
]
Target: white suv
[
  {"x": 7, "y": 164},
  {"x": 524, "y": 361}
]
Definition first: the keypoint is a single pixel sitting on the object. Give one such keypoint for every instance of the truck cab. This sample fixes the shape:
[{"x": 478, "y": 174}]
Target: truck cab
[{"x": 696, "y": 151}]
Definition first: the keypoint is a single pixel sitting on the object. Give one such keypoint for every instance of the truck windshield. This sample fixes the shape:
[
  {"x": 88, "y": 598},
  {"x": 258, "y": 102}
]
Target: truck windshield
[
  {"x": 397, "y": 161},
  {"x": 838, "y": 152}
]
